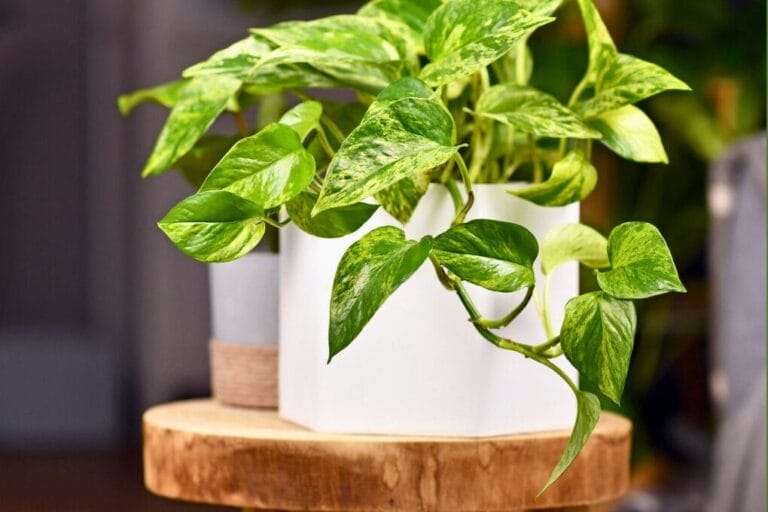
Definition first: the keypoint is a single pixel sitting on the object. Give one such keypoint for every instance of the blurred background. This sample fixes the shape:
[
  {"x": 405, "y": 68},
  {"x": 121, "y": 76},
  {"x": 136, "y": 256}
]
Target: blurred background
[{"x": 100, "y": 317}]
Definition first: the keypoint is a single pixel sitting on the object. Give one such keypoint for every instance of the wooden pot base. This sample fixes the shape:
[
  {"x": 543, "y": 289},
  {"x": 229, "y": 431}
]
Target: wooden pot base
[
  {"x": 202, "y": 451},
  {"x": 244, "y": 375}
]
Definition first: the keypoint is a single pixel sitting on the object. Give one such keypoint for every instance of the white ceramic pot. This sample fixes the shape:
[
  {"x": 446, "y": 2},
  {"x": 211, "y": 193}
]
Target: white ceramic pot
[
  {"x": 419, "y": 367},
  {"x": 244, "y": 330}
]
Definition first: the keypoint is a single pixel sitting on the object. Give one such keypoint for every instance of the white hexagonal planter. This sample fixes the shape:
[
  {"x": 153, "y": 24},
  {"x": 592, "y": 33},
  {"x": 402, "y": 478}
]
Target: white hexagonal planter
[{"x": 419, "y": 367}]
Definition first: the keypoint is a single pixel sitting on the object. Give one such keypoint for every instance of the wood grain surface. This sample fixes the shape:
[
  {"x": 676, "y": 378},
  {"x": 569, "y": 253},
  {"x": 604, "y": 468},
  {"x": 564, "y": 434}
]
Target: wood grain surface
[
  {"x": 244, "y": 375},
  {"x": 202, "y": 451}
]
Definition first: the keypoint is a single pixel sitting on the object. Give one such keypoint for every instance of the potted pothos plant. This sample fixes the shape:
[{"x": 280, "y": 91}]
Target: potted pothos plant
[{"x": 443, "y": 122}]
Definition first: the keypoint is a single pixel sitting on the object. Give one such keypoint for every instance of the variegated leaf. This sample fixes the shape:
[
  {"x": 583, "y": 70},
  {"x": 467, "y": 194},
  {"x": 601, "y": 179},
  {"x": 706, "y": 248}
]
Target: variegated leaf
[
  {"x": 406, "y": 16},
  {"x": 631, "y": 134},
  {"x": 597, "y": 337},
  {"x": 463, "y": 36},
  {"x": 199, "y": 104},
  {"x": 602, "y": 51},
  {"x": 573, "y": 242},
  {"x": 165, "y": 94},
  {"x": 397, "y": 139},
  {"x": 333, "y": 223},
  {"x": 267, "y": 168},
  {"x": 628, "y": 80},
  {"x": 237, "y": 60},
  {"x": 368, "y": 273},
  {"x": 303, "y": 118},
  {"x": 573, "y": 178},
  {"x": 531, "y": 111},
  {"x": 641, "y": 264},
  {"x": 214, "y": 226},
  {"x": 496, "y": 255},
  {"x": 204, "y": 155},
  {"x": 400, "y": 199}
]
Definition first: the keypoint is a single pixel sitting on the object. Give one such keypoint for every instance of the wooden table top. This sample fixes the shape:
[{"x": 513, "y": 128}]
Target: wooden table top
[{"x": 202, "y": 451}]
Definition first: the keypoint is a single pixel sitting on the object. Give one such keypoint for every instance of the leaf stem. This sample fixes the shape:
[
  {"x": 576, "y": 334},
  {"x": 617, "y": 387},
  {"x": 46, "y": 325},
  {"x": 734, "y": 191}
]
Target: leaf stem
[
  {"x": 507, "y": 319},
  {"x": 546, "y": 317},
  {"x": 333, "y": 128},
  {"x": 453, "y": 190},
  {"x": 538, "y": 173},
  {"x": 461, "y": 214},
  {"x": 323, "y": 139},
  {"x": 242, "y": 124}
]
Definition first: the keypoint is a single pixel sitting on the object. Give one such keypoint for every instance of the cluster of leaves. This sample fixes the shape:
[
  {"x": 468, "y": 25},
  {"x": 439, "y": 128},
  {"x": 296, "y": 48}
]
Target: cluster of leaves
[{"x": 442, "y": 96}]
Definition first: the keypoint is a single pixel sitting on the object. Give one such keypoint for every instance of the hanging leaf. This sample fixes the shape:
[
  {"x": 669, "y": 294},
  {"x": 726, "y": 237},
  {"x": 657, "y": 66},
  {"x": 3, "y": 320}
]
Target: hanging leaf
[
  {"x": 641, "y": 264},
  {"x": 573, "y": 242},
  {"x": 573, "y": 178},
  {"x": 199, "y": 104},
  {"x": 400, "y": 200},
  {"x": 628, "y": 80},
  {"x": 368, "y": 273},
  {"x": 463, "y": 36},
  {"x": 204, "y": 155},
  {"x": 237, "y": 60},
  {"x": 397, "y": 139},
  {"x": 587, "y": 416},
  {"x": 303, "y": 118},
  {"x": 165, "y": 94},
  {"x": 267, "y": 168},
  {"x": 274, "y": 78},
  {"x": 597, "y": 337},
  {"x": 531, "y": 111},
  {"x": 333, "y": 223},
  {"x": 354, "y": 50},
  {"x": 631, "y": 134},
  {"x": 407, "y": 17},
  {"x": 214, "y": 226},
  {"x": 496, "y": 255}
]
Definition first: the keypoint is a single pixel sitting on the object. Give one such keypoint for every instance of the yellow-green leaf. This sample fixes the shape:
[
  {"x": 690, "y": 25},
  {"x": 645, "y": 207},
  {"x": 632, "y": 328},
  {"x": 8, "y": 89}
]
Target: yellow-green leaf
[
  {"x": 573, "y": 242},
  {"x": 303, "y": 118},
  {"x": 631, "y": 134},
  {"x": 165, "y": 94},
  {"x": 573, "y": 178},
  {"x": 333, "y": 223}
]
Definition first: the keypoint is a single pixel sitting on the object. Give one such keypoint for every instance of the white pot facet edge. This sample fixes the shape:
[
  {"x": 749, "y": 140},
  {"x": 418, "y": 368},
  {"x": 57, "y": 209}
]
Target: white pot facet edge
[{"x": 419, "y": 367}]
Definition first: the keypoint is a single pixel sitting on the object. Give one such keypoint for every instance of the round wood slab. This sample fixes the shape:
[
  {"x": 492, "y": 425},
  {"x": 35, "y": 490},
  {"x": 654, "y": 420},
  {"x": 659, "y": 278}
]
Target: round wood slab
[{"x": 202, "y": 451}]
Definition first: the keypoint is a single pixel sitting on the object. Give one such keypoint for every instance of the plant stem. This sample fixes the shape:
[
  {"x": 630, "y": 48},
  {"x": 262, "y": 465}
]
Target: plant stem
[
  {"x": 323, "y": 139},
  {"x": 461, "y": 215},
  {"x": 242, "y": 124},
  {"x": 545, "y": 316},
  {"x": 538, "y": 173},
  {"x": 520, "y": 57},
  {"x": 453, "y": 190},
  {"x": 540, "y": 349},
  {"x": 506, "y": 320},
  {"x": 333, "y": 128}
]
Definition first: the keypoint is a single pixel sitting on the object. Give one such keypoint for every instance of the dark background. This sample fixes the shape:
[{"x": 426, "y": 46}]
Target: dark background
[{"x": 101, "y": 318}]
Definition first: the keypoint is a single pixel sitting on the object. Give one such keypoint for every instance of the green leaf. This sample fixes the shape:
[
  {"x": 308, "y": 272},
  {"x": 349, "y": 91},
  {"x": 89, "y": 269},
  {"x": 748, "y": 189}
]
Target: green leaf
[
  {"x": 573, "y": 178},
  {"x": 333, "y": 223},
  {"x": 597, "y": 337},
  {"x": 400, "y": 200},
  {"x": 204, "y": 155},
  {"x": 198, "y": 106},
  {"x": 303, "y": 118},
  {"x": 354, "y": 50},
  {"x": 267, "y": 168},
  {"x": 463, "y": 36},
  {"x": 541, "y": 7},
  {"x": 602, "y": 51},
  {"x": 165, "y": 94},
  {"x": 587, "y": 416},
  {"x": 368, "y": 273},
  {"x": 496, "y": 255},
  {"x": 214, "y": 226},
  {"x": 237, "y": 60},
  {"x": 628, "y": 80},
  {"x": 573, "y": 242},
  {"x": 631, "y": 134},
  {"x": 274, "y": 78},
  {"x": 406, "y": 16},
  {"x": 641, "y": 264},
  {"x": 397, "y": 139},
  {"x": 531, "y": 111}
]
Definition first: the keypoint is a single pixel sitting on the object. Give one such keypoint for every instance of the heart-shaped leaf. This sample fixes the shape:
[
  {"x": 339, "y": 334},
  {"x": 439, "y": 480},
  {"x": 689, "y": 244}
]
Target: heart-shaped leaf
[
  {"x": 214, "y": 226},
  {"x": 627, "y": 80},
  {"x": 597, "y": 337},
  {"x": 199, "y": 104},
  {"x": 641, "y": 264},
  {"x": 463, "y": 36},
  {"x": 237, "y": 60},
  {"x": 400, "y": 200},
  {"x": 631, "y": 134},
  {"x": 165, "y": 94},
  {"x": 397, "y": 139},
  {"x": 268, "y": 168},
  {"x": 406, "y": 16},
  {"x": 573, "y": 242},
  {"x": 303, "y": 118},
  {"x": 573, "y": 178},
  {"x": 531, "y": 111},
  {"x": 587, "y": 416},
  {"x": 368, "y": 273},
  {"x": 332, "y": 223},
  {"x": 496, "y": 255},
  {"x": 354, "y": 50}
]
